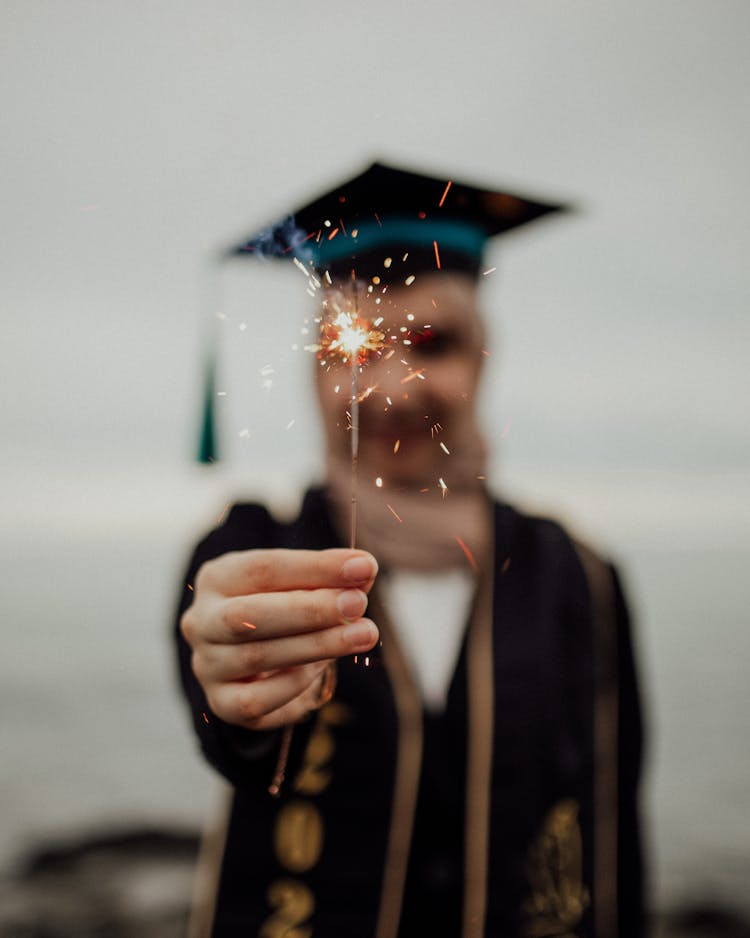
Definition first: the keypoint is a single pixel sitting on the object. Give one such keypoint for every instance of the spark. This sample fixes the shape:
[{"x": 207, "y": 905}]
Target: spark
[
  {"x": 223, "y": 512},
  {"x": 290, "y": 424},
  {"x": 490, "y": 270},
  {"x": 387, "y": 262},
  {"x": 410, "y": 280},
  {"x": 435, "y": 429},
  {"x": 363, "y": 395},
  {"x": 396, "y": 446},
  {"x": 250, "y": 625},
  {"x": 205, "y": 718},
  {"x": 444, "y": 448},
  {"x": 379, "y": 482},
  {"x": 221, "y": 393},
  {"x": 190, "y": 587},
  {"x": 443, "y": 487},
  {"x": 413, "y": 375},
  {"x": 469, "y": 555},
  {"x": 437, "y": 254},
  {"x": 505, "y": 566},
  {"x": 333, "y": 234},
  {"x": 367, "y": 662},
  {"x": 395, "y": 514},
  {"x": 298, "y": 263},
  {"x": 442, "y": 198}
]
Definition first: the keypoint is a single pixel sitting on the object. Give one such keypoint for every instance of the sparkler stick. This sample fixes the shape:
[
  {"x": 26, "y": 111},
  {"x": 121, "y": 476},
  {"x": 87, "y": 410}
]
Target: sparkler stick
[
  {"x": 354, "y": 438},
  {"x": 355, "y": 453}
]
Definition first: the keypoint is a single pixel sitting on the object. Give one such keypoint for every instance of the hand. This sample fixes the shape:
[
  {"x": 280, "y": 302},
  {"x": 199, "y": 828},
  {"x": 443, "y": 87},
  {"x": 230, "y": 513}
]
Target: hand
[{"x": 265, "y": 625}]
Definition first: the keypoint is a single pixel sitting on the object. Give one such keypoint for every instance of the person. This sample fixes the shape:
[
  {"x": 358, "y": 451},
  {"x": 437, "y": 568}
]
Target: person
[{"x": 436, "y": 732}]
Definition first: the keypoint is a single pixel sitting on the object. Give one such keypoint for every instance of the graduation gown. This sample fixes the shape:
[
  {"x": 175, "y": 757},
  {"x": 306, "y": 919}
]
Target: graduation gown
[{"x": 514, "y": 812}]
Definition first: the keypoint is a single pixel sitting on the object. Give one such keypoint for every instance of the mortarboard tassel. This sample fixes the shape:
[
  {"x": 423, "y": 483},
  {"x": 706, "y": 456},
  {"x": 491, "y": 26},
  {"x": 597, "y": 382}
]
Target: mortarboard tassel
[{"x": 207, "y": 450}]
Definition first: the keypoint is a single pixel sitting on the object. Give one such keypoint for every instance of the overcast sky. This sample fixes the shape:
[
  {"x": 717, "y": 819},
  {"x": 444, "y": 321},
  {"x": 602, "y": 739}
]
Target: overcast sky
[{"x": 139, "y": 136}]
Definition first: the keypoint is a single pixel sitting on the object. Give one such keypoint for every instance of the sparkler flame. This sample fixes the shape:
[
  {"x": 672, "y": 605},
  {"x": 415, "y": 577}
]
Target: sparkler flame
[{"x": 350, "y": 337}]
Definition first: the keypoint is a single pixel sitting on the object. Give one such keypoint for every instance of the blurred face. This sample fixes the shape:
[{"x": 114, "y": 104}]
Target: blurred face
[{"x": 415, "y": 395}]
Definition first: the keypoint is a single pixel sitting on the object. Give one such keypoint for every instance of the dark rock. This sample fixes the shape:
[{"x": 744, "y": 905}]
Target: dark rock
[{"x": 114, "y": 884}]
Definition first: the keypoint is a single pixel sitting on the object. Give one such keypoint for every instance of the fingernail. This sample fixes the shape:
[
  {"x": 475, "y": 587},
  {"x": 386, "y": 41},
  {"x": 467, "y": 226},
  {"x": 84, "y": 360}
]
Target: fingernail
[
  {"x": 359, "y": 569},
  {"x": 360, "y": 635},
  {"x": 351, "y": 603}
]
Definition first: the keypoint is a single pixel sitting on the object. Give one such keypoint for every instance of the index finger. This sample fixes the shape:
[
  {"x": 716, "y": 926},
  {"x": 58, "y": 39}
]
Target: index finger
[{"x": 240, "y": 573}]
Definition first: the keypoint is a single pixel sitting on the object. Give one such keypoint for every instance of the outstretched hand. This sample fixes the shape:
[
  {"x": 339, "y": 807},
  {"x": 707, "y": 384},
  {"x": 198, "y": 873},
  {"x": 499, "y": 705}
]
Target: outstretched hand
[{"x": 265, "y": 625}]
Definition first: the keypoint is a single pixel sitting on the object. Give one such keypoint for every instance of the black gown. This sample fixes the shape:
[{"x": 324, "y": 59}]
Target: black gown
[{"x": 514, "y": 812}]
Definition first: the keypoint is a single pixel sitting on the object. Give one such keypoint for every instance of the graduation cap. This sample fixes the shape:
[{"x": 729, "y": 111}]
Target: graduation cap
[
  {"x": 386, "y": 222},
  {"x": 386, "y": 212}
]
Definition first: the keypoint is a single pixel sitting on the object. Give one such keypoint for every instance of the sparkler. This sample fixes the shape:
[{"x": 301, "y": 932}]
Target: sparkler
[{"x": 353, "y": 339}]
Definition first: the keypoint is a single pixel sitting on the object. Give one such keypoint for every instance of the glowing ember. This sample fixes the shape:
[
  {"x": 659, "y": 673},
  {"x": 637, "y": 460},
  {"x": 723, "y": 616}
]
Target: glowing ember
[
  {"x": 394, "y": 513},
  {"x": 468, "y": 553},
  {"x": 223, "y": 513}
]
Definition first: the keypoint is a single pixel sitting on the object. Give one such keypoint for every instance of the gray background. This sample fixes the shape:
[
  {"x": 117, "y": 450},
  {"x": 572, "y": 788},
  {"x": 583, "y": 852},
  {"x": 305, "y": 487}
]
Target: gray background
[{"x": 139, "y": 136}]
